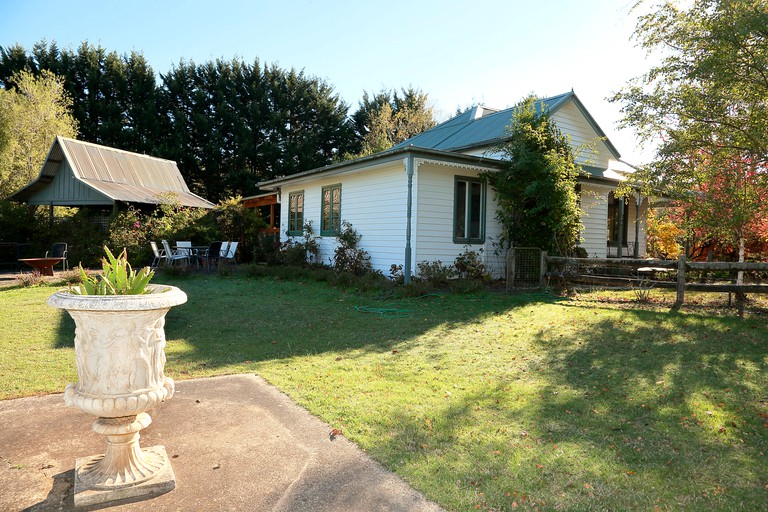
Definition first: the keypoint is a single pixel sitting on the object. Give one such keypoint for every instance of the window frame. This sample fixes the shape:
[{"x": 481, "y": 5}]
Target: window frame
[
  {"x": 325, "y": 230},
  {"x": 468, "y": 207},
  {"x": 297, "y": 216},
  {"x": 613, "y": 221}
]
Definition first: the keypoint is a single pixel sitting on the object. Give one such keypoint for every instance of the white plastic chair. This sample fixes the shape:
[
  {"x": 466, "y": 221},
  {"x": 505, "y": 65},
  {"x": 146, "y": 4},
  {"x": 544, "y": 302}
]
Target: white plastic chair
[
  {"x": 224, "y": 250},
  {"x": 185, "y": 247},
  {"x": 230, "y": 257},
  {"x": 159, "y": 254},
  {"x": 172, "y": 256}
]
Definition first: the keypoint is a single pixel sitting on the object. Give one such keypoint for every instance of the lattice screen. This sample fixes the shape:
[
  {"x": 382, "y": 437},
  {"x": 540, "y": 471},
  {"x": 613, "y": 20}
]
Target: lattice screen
[{"x": 523, "y": 268}]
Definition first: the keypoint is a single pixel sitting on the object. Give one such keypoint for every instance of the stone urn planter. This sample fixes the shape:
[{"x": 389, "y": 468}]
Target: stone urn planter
[{"x": 120, "y": 357}]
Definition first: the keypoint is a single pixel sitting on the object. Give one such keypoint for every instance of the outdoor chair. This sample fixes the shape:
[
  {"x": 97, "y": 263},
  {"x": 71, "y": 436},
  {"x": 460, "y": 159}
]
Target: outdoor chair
[
  {"x": 230, "y": 257},
  {"x": 158, "y": 254},
  {"x": 59, "y": 250},
  {"x": 213, "y": 253},
  {"x": 172, "y": 256},
  {"x": 185, "y": 247}
]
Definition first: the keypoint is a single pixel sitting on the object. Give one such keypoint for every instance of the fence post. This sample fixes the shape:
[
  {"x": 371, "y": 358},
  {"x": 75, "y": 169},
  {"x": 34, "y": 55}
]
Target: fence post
[
  {"x": 543, "y": 271},
  {"x": 680, "y": 280},
  {"x": 510, "y": 269}
]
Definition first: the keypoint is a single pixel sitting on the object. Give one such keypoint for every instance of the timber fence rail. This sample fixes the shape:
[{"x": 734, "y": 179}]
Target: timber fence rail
[{"x": 652, "y": 273}]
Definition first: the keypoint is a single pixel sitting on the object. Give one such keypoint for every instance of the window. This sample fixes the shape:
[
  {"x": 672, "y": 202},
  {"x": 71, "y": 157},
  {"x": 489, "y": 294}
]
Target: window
[
  {"x": 330, "y": 222},
  {"x": 296, "y": 213},
  {"x": 613, "y": 221},
  {"x": 468, "y": 211}
]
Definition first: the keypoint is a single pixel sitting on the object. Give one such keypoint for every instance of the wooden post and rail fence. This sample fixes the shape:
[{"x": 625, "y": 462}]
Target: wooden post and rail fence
[{"x": 646, "y": 271}]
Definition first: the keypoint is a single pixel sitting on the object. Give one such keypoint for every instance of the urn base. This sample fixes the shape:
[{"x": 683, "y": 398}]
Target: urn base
[{"x": 162, "y": 481}]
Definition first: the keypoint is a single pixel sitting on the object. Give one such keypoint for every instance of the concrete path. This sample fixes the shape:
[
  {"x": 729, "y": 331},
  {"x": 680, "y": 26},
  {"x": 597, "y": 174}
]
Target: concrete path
[{"x": 235, "y": 442}]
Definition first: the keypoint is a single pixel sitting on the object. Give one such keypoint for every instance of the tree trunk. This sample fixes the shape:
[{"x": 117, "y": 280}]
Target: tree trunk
[
  {"x": 741, "y": 297},
  {"x": 742, "y": 250}
]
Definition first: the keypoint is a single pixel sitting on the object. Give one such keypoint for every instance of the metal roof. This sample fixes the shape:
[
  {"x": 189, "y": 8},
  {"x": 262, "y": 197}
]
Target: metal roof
[
  {"x": 476, "y": 128},
  {"x": 116, "y": 174},
  {"x": 366, "y": 162}
]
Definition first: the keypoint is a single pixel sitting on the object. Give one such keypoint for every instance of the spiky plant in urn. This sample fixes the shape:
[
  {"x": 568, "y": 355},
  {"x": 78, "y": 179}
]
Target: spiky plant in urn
[{"x": 120, "y": 357}]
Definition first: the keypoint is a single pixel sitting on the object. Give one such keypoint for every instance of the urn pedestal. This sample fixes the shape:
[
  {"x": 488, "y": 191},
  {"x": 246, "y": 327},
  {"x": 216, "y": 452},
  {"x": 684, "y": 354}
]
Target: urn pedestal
[{"x": 120, "y": 358}]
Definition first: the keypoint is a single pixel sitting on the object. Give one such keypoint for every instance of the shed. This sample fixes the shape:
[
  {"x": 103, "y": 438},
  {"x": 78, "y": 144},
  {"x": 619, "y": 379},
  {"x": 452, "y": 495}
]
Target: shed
[{"x": 77, "y": 173}]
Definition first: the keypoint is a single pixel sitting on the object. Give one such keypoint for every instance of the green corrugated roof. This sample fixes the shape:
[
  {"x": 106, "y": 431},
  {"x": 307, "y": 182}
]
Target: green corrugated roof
[{"x": 465, "y": 132}]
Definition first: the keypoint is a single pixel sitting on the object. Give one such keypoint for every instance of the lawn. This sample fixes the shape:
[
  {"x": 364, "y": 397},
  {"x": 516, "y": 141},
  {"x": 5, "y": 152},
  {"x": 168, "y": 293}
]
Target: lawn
[{"x": 482, "y": 402}]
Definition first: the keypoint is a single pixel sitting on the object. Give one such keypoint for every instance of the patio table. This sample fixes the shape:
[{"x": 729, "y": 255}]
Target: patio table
[
  {"x": 192, "y": 251},
  {"x": 44, "y": 265}
]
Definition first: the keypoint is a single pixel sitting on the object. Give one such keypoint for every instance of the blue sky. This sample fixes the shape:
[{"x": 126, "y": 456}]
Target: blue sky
[{"x": 492, "y": 52}]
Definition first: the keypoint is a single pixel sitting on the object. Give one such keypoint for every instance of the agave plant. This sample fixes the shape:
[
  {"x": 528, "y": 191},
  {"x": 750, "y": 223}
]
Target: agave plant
[{"x": 118, "y": 278}]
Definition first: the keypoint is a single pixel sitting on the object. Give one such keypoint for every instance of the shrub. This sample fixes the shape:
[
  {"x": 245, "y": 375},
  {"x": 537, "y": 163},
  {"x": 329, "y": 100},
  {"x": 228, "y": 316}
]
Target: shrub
[
  {"x": 18, "y": 223},
  {"x": 348, "y": 256},
  {"x": 129, "y": 230},
  {"x": 303, "y": 251},
  {"x": 435, "y": 273},
  {"x": 266, "y": 248},
  {"x": 33, "y": 278},
  {"x": 469, "y": 265},
  {"x": 84, "y": 234},
  {"x": 71, "y": 277},
  {"x": 396, "y": 274},
  {"x": 236, "y": 222},
  {"x": 578, "y": 252}
]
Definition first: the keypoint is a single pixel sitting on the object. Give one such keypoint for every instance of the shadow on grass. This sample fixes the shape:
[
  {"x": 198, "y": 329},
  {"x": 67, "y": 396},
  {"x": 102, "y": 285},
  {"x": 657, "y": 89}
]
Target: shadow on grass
[
  {"x": 232, "y": 321},
  {"x": 639, "y": 409},
  {"x": 65, "y": 332}
]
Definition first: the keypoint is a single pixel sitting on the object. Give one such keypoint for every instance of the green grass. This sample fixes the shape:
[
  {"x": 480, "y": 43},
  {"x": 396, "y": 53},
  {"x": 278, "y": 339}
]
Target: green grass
[{"x": 487, "y": 401}]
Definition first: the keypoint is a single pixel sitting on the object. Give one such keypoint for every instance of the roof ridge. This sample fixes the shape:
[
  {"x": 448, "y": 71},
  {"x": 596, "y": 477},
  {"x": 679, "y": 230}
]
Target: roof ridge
[{"x": 110, "y": 148}]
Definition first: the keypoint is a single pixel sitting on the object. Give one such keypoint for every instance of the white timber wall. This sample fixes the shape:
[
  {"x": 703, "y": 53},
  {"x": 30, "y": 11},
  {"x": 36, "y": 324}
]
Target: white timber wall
[
  {"x": 594, "y": 205},
  {"x": 587, "y": 149},
  {"x": 572, "y": 122},
  {"x": 594, "y": 218},
  {"x": 374, "y": 202},
  {"x": 433, "y": 220}
]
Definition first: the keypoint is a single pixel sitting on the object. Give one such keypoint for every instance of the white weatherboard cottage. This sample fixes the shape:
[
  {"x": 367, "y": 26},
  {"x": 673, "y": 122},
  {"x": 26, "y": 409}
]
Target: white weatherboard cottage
[{"x": 422, "y": 200}]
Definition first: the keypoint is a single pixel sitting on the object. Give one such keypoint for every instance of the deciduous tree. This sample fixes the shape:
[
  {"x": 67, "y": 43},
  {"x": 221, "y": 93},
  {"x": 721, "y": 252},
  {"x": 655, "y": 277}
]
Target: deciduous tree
[
  {"x": 705, "y": 105},
  {"x": 31, "y": 116}
]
